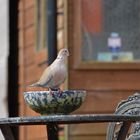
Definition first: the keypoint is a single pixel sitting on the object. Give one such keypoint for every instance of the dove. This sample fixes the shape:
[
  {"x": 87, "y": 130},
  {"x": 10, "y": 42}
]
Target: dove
[{"x": 55, "y": 74}]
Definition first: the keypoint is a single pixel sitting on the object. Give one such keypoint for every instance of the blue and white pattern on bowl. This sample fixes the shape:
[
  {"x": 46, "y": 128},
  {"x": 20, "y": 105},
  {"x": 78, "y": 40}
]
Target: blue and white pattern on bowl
[{"x": 46, "y": 102}]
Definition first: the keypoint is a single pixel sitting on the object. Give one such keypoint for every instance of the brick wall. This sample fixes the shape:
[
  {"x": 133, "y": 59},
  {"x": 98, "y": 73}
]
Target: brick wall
[{"x": 32, "y": 62}]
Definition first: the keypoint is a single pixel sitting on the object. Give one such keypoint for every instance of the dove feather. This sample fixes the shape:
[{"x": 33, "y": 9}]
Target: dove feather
[{"x": 46, "y": 77}]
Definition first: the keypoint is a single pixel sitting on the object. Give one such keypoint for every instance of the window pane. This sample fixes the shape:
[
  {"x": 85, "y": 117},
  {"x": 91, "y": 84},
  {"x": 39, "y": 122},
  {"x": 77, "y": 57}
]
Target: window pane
[{"x": 110, "y": 30}]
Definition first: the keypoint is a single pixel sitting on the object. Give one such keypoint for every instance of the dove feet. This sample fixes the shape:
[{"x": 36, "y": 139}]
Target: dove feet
[
  {"x": 51, "y": 91},
  {"x": 60, "y": 92},
  {"x": 58, "y": 89}
]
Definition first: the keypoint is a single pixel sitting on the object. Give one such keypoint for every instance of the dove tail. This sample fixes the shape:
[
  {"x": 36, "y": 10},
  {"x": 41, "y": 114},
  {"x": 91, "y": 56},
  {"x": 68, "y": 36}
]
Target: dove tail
[{"x": 34, "y": 85}]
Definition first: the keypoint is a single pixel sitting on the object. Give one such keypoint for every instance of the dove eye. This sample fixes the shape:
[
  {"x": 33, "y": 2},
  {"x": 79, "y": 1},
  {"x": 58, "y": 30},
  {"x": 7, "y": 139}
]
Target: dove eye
[{"x": 65, "y": 50}]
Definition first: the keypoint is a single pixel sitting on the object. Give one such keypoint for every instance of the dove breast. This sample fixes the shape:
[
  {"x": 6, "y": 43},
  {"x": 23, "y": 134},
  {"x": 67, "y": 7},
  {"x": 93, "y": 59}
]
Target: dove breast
[{"x": 59, "y": 74}]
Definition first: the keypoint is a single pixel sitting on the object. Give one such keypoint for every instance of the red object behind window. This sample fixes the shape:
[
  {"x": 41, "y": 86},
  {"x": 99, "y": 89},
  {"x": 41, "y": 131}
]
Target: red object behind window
[{"x": 92, "y": 15}]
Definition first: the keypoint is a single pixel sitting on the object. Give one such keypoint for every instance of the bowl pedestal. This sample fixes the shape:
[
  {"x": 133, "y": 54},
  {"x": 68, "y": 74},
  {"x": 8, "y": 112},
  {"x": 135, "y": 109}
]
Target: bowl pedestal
[{"x": 54, "y": 103}]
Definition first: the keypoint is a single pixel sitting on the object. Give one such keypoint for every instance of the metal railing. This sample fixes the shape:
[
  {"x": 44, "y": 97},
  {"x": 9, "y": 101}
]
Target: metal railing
[{"x": 52, "y": 120}]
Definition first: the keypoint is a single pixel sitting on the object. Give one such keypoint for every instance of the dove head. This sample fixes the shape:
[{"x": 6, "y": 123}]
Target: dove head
[{"x": 63, "y": 53}]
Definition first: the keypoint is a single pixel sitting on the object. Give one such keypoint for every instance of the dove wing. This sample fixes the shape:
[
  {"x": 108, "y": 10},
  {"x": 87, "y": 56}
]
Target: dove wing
[{"x": 46, "y": 77}]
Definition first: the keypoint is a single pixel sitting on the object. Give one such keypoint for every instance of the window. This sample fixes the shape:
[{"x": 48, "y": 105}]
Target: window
[
  {"x": 110, "y": 30},
  {"x": 106, "y": 33}
]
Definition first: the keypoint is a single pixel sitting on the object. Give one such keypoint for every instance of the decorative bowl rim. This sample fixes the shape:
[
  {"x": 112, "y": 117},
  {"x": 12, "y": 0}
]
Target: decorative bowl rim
[{"x": 47, "y": 91}]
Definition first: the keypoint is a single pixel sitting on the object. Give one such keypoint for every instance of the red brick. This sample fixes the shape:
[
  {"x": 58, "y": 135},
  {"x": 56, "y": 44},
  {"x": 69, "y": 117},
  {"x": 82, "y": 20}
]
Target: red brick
[
  {"x": 21, "y": 38},
  {"x": 30, "y": 36},
  {"x": 29, "y": 57},
  {"x": 21, "y": 20},
  {"x": 30, "y": 16},
  {"x": 29, "y": 3},
  {"x": 21, "y": 75},
  {"x": 20, "y": 5}
]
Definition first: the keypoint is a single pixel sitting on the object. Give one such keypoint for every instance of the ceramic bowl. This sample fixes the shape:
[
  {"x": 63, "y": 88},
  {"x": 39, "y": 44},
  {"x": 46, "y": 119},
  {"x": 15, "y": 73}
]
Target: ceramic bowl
[{"x": 54, "y": 102}]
